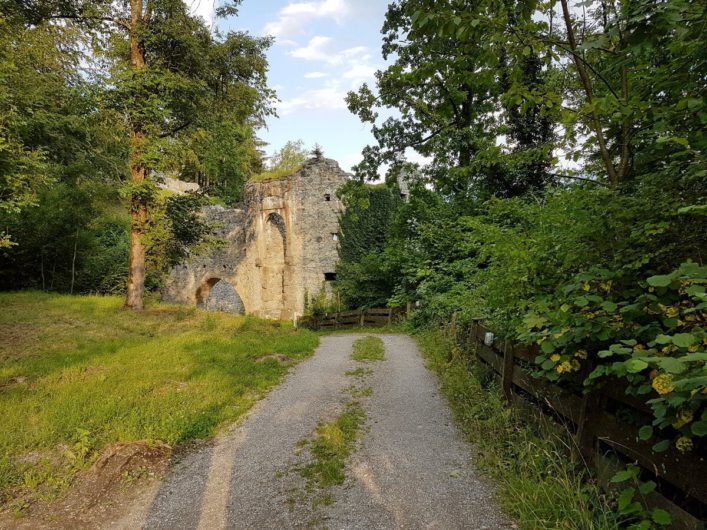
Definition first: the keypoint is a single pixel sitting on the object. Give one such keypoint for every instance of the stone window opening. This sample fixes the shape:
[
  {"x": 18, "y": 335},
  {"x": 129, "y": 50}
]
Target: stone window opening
[
  {"x": 403, "y": 196},
  {"x": 329, "y": 276},
  {"x": 327, "y": 197}
]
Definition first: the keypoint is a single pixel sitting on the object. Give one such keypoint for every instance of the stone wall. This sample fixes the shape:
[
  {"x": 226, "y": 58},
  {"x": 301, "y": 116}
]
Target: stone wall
[{"x": 279, "y": 245}]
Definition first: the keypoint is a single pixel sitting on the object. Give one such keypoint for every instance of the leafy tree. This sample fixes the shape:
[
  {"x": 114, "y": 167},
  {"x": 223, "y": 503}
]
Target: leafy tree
[
  {"x": 170, "y": 78},
  {"x": 50, "y": 129},
  {"x": 445, "y": 85},
  {"x": 317, "y": 151},
  {"x": 289, "y": 158},
  {"x": 364, "y": 230},
  {"x": 220, "y": 157}
]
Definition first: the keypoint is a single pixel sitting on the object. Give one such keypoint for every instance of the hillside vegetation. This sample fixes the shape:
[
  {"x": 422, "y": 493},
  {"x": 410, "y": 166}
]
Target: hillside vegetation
[{"x": 78, "y": 373}]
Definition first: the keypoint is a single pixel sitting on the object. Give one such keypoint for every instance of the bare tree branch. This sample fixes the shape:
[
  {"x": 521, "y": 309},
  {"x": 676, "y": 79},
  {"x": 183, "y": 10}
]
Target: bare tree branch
[
  {"x": 587, "y": 84},
  {"x": 82, "y": 18}
]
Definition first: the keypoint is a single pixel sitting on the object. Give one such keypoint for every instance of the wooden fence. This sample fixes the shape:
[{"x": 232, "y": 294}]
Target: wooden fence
[
  {"x": 605, "y": 419},
  {"x": 375, "y": 317}
]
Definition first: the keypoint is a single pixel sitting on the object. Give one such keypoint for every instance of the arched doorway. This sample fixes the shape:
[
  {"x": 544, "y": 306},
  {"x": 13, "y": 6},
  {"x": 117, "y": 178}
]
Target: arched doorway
[
  {"x": 216, "y": 294},
  {"x": 273, "y": 266}
]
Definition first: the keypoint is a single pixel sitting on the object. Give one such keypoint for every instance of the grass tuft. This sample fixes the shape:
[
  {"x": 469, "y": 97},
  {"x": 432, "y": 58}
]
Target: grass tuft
[
  {"x": 526, "y": 453},
  {"x": 332, "y": 444},
  {"x": 273, "y": 175},
  {"x": 368, "y": 349}
]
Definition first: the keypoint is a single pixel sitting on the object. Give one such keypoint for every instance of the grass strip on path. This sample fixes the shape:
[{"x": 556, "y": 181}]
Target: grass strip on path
[
  {"x": 368, "y": 349},
  {"x": 331, "y": 446},
  {"x": 526, "y": 453}
]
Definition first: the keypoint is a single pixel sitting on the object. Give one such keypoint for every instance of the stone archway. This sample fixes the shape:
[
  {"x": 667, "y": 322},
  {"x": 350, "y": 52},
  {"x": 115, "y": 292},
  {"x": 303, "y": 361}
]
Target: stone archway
[
  {"x": 274, "y": 252},
  {"x": 216, "y": 294}
]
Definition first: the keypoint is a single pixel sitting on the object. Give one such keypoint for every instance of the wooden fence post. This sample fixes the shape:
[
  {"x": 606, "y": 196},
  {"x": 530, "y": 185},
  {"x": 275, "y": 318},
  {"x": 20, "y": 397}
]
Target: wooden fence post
[
  {"x": 390, "y": 316},
  {"x": 363, "y": 317},
  {"x": 585, "y": 438},
  {"x": 507, "y": 376}
]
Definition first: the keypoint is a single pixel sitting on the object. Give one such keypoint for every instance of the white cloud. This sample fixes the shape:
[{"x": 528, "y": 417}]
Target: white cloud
[
  {"x": 355, "y": 64},
  {"x": 322, "y": 49},
  {"x": 343, "y": 70},
  {"x": 206, "y": 9},
  {"x": 360, "y": 71},
  {"x": 294, "y": 17},
  {"x": 315, "y": 75},
  {"x": 318, "y": 49},
  {"x": 326, "y": 98}
]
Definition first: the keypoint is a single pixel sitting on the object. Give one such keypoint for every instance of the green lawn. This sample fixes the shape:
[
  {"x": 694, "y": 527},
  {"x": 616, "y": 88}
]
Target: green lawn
[{"x": 79, "y": 372}]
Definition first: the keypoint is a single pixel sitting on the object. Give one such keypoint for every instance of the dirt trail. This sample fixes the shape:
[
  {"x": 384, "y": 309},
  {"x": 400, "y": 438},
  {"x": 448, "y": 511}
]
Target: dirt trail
[{"x": 411, "y": 469}]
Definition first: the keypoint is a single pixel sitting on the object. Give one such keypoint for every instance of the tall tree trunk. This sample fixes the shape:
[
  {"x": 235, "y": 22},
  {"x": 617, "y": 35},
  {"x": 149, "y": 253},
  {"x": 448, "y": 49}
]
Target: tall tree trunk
[
  {"x": 44, "y": 283},
  {"x": 138, "y": 208},
  {"x": 73, "y": 262}
]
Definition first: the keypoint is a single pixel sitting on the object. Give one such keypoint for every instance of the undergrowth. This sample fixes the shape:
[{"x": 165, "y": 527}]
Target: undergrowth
[
  {"x": 527, "y": 455},
  {"x": 368, "y": 349}
]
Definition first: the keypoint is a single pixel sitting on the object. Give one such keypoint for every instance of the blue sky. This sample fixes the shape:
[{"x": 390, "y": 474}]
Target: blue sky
[{"x": 323, "y": 49}]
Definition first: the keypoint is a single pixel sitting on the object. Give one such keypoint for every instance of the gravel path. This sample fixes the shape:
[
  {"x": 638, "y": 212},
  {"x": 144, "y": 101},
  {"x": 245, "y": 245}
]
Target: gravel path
[{"x": 411, "y": 468}]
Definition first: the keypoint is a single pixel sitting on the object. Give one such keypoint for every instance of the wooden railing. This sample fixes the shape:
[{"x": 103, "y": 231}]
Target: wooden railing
[
  {"x": 375, "y": 317},
  {"x": 600, "y": 422}
]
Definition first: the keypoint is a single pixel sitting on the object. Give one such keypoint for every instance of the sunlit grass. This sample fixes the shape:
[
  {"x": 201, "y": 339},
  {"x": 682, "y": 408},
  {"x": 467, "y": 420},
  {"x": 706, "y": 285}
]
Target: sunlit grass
[{"x": 82, "y": 369}]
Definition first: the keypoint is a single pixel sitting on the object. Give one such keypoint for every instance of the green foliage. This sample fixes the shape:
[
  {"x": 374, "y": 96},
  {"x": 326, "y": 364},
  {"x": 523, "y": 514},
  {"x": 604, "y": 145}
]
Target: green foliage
[
  {"x": 78, "y": 236},
  {"x": 220, "y": 156},
  {"x": 364, "y": 231},
  {"x": 286, "y": 161},
  {"x": 454, "y": 68},
  {"x": 320, "y": 304},
  {"x": 176, "y": 231},
  {"x": 630, "y": 507},
  {"x": 52, "y": 129},
  {"x": 652, "y": 336},
  {"x": 82, "y": 373},
  {"x": 598, "y": 260},
  {"x": 332, "y": 444},
  {"x": 71, "y": 99}
]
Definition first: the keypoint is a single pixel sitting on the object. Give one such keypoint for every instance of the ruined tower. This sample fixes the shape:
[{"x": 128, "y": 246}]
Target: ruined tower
[{"x": 281, "y": 243}]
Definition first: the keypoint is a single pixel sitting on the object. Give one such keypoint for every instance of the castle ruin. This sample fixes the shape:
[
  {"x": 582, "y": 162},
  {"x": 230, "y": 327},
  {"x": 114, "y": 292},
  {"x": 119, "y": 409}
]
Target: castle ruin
[{"x": 281, "y": 244}]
